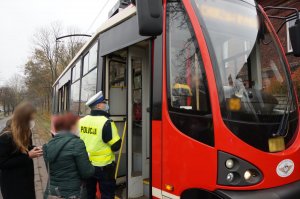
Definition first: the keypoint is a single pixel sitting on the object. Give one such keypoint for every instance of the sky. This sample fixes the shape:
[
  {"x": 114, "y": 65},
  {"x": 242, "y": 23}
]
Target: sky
[{"x": 21, "y": 19}]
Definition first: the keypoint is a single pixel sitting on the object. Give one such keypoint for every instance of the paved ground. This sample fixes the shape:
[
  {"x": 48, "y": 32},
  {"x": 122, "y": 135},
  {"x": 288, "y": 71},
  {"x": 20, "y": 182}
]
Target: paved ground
[{"x": 41, "y": 177}]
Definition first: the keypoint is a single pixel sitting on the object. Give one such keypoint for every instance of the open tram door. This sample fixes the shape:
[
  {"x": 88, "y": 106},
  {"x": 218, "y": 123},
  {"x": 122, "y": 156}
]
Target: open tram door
[
  {"x": 128, "y": 87},
  {"x": 138, "y": 121}
]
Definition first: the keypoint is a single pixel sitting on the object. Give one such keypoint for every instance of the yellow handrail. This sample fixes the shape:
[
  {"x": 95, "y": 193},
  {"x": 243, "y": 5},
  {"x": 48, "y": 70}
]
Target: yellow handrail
[{"x": 121, "y": 149}]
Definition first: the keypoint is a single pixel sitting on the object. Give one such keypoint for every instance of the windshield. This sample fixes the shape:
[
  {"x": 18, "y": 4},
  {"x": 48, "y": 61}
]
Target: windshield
[{"x": 254, "y": 88}]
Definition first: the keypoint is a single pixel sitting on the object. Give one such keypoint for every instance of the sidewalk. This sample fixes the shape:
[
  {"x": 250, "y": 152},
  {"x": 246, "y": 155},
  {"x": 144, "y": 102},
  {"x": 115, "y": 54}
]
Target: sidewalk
[{"x": 41, "y": 174}]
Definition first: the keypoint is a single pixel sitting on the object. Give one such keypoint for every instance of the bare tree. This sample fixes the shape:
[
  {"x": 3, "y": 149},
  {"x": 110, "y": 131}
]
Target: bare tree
[
  {"x": 49, "y": 58},
  {"x": 56, "y": 55}
]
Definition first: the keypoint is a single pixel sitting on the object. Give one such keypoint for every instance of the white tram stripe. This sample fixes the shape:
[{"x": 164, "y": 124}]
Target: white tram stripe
[{"x": 158, "y": 193}]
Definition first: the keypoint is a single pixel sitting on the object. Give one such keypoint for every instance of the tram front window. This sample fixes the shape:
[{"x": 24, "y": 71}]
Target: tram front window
[
  {"x": 257, "y": 100},
  {"x": 188, "y": 97}
]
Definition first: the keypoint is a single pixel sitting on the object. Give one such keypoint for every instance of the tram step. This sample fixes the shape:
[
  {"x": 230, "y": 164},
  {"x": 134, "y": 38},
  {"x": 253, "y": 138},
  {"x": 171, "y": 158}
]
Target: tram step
[{"x": 146, "y": 183}]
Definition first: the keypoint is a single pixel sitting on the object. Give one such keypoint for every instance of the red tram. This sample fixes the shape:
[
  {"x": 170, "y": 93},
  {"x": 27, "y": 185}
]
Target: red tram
[{"x": 205, "y": 89}]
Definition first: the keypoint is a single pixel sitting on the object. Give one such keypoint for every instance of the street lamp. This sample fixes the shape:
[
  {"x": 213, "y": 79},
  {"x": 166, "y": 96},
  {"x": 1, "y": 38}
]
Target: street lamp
[{"x": 72, "y": 35}]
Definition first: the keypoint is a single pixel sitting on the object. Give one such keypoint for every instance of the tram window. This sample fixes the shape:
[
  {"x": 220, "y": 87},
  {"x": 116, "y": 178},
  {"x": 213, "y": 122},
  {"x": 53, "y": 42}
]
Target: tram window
[
  {"x": 76, "y": 71},
  {"x": 63, "y": 97},
  {"x": 186, "y": 73},
  {"x": 117, "y": 74},
  {"x": 188, "y": 95},
  {"x": 90, "y": 59},
  {"x": 74, "y": 104},
  {"x": 60, "y": 92},
  {"x": 88, "y": 89},
  {"x": 86, "y": 63},
  {"x": 254, "y": 85},
  {"x": 54, "y": 99},
  {"x": 93, "y": 56},
  {"x": 117, "y": 87}
]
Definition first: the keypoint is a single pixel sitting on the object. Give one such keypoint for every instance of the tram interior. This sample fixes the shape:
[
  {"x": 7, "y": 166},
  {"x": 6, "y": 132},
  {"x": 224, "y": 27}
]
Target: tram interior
[{"x": 128, "y": 87}]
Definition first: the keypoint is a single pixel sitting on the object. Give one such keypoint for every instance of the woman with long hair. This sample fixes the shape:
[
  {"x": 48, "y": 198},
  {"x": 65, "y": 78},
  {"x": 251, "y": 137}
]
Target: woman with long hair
[{"x": 16, "y": 154}]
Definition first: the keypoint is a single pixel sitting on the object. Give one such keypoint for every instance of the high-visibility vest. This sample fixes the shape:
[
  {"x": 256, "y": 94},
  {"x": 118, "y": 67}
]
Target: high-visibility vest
[{"x": 91, "y": 129}]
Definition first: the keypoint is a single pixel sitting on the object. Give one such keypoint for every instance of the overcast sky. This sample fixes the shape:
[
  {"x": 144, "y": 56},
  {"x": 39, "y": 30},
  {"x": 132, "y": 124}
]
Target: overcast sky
[{"x": 20, "y": 19}]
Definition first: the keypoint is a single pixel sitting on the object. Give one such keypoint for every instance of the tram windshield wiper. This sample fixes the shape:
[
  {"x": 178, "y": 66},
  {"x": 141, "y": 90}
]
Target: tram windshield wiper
[{"x": 285, "y": 118}]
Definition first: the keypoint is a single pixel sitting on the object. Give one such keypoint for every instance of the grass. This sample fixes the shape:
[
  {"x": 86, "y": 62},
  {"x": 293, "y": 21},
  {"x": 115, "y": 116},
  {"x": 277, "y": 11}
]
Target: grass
[{"x": 43, "y": 126}]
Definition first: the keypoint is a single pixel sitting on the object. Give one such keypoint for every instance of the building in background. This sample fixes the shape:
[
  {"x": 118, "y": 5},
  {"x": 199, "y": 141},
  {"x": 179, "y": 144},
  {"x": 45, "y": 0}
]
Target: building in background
[{"x": 283, "y": 34}]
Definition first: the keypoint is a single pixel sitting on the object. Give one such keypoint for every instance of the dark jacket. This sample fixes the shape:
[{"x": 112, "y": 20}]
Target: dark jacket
[
  {"x": 69, "y": 164},
  {"x": 17, "y": 179}
]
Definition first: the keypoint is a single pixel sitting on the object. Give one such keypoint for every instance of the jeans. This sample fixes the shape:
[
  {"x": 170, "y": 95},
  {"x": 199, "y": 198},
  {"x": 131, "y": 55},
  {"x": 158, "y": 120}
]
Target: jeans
[{"x": 105, "y": 176}]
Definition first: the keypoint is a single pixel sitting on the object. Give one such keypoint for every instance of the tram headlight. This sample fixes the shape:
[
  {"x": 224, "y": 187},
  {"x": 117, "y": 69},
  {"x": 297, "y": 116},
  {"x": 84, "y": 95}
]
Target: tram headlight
[
  {"x": 229, "y": 163},
  {"x": 234, "y": 171},
  {"x": 230, "y": 177},
  {"x": 252, "y": 176},
  {"x": 247, "y": 175}
]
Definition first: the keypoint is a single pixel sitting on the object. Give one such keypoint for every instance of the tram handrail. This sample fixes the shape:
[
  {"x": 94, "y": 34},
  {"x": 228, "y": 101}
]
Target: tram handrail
[{"x": 121, "y": 149}]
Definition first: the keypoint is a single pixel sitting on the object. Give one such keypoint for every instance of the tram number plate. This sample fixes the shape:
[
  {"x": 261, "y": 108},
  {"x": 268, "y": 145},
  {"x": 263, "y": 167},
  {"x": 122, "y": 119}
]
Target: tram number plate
[{"x": 276, "y": 144}]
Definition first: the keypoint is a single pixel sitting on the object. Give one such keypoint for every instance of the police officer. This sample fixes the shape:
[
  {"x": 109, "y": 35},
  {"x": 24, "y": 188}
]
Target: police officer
[{"x": 101, "y": 138}]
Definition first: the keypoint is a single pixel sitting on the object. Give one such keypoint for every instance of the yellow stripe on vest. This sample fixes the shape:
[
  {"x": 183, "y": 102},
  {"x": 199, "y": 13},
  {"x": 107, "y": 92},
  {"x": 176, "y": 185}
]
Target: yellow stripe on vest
[
  {"x": 96, "y": 159},
  {"x": 99, "y": 153}
]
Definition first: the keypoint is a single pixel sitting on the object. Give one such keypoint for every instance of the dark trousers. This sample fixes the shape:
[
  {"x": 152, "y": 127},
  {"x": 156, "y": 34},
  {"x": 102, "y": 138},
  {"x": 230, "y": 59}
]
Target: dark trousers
[{"x": 105, "y": 176}]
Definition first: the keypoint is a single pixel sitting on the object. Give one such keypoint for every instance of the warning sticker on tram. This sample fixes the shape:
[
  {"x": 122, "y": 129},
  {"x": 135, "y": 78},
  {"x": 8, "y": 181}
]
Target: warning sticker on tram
[{"x": 285, "y": 168}]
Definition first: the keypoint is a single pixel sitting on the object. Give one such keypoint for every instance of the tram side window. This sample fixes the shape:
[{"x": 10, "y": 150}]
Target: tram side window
[
  {"x": 86, "y": 63},
  {"x": 88, "y": 89},
  {"x": 76, "y": 71},
  {"x": 55, "y": 100},
  {"x": 74, "y": 102},
  {"x": 90, "y": 59},
  {"x": 60, "y": 98},
  {"x": 188, "y": 96},
  {"x": 63, "y": 97},
  {"x": 93, "y": 56}
]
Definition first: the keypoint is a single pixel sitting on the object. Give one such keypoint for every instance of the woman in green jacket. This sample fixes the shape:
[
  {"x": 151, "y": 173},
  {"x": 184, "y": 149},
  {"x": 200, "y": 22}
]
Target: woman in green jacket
[{"x": 68, "y": 161}]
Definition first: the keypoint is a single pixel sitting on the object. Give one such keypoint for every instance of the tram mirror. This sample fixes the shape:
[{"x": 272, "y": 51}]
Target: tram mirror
[
  {"x": 149, "y": 17},
  {"x": 295, "y": 38}
]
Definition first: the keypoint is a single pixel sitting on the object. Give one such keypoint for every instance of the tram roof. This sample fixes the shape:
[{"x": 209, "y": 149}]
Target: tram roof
[{"x": 110, "y": 23}]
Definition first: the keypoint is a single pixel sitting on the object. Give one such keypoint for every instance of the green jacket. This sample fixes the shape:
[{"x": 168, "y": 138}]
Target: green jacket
[{"x": 69, "y": 165}]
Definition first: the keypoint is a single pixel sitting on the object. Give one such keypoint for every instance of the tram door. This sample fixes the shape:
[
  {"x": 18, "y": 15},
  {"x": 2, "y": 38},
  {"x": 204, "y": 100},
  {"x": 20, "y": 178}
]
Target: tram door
[{"x": 138, "y": 121}]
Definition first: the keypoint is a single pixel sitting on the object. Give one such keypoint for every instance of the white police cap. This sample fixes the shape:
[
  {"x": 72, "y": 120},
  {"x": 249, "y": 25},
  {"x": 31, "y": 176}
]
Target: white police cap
[{"x": 96, "y": 99}]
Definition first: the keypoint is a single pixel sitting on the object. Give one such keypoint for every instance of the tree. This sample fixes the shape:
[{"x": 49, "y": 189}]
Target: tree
[
  {"x": 55, "y": 55},
  {"x": 47, "y": 61},
  {"x": 12, "y": 93},
  {"x": 17, "y": 90}
]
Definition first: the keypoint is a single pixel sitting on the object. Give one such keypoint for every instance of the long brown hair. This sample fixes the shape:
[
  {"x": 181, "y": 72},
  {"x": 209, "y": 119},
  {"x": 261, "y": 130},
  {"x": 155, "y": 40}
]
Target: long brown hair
[{"x": 20, "y": 126}]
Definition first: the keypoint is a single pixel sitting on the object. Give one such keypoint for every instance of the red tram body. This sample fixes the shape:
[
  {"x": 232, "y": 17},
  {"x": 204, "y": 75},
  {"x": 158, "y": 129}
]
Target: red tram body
[{"x": 218, "y": 114}]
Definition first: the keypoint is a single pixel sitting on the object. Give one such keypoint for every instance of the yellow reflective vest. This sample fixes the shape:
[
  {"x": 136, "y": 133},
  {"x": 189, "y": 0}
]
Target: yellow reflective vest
[{"x": 91, "y": 129}]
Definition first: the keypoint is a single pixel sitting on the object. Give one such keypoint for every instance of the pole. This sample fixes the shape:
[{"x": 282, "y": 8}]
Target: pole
[{"x": 121, "y": 149}]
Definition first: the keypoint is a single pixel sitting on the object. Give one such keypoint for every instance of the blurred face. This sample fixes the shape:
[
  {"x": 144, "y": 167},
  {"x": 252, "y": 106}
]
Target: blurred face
[
  {"x": 33, "y": 116},
  {"x": 101, "y": 106}
]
